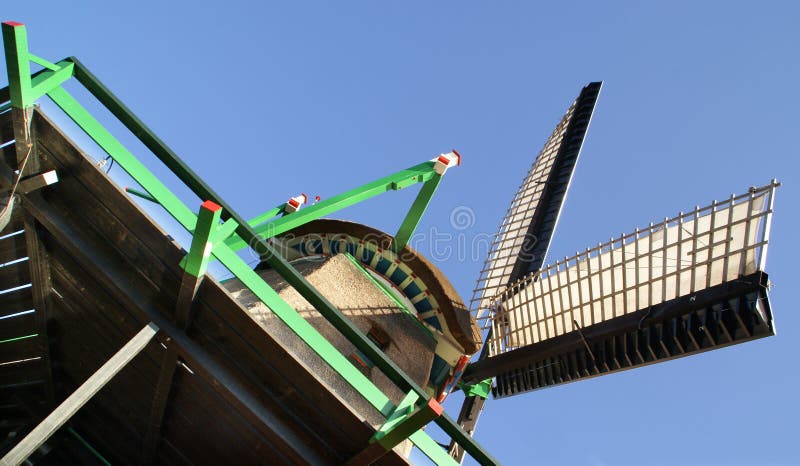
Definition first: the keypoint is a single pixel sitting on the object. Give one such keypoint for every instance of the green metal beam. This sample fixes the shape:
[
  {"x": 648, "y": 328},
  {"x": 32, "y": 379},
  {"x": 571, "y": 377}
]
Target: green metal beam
[
  {"x": 123, "y": 157},
  {"x": 44, "y": 82},
  {"x": 274, "y": 212},
  {"x": 18, "y": 66},
  {"x": 24, "y": 89},
  {"x": 417, "y": 174},
  {"x": 481, "y": 389},
  {"x": 406, "y": 419},
  {"x": 414, "y": 215},
  {"x": 200, "y": 251},
  {"x": 141, "y": 194}
]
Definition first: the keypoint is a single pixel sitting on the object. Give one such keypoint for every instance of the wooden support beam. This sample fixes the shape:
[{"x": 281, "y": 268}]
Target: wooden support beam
[
  {"x": 195, "y": 266},
  {"x": 35, "y": 182},
  {"x": 79, "y": 397},
  {"x": 159, "y": 406},
  {"x": 196, "y": 262},
  {"x": 38, "y": 262}
]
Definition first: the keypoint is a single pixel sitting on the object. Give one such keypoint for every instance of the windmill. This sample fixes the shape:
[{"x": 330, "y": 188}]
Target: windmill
[
  {"x": 691, "y": 283},
  {"x": 338, "y": 347}
]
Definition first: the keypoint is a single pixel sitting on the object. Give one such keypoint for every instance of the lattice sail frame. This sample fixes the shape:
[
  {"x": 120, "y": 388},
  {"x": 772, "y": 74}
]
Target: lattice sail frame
[
  {"x": 677, "y": 257},
  {"x": 515, "y": 245}
]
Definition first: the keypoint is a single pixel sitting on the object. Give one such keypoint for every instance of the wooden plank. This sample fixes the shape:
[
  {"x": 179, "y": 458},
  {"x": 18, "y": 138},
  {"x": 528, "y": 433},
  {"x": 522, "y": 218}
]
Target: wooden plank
[
  {"x": 9, "y": 155},
  {"x": 169, "y": 455},
  {"x": 7, "y": 130},
  {"x": 18, "y": 326},
  {"x": 73, "y": 403},
  {"x": 264, "y": 359},
  {"x": 159, "y": 405},
  {"x": 23, "y": 372},
  {"x": 19, "y": 349},
  {"x": 12, "y": 248},
  {"x": 195, "y": 402},
  {"x": 39, "y": 271},
  {"x": 15, "y": 275},
  {"x": 91, "y": 186},
  {"x": 15, "y": 301}
]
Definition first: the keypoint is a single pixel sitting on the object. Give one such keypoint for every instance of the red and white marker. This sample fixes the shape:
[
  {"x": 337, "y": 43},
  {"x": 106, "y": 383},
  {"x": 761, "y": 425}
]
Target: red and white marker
[
  {"x": 445, "y": 161},
  {"x": 293, "y": 204}
]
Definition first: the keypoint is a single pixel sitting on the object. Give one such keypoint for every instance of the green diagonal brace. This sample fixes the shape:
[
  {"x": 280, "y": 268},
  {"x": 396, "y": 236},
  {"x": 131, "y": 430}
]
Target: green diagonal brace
[
  {"x": 417, "y": 174},
  {"x": 414, "y": 215},
  {"x": 50, "y": 79}
]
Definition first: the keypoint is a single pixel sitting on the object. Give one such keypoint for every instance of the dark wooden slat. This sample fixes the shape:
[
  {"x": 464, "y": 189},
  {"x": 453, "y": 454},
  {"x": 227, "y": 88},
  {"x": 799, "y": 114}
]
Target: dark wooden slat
[
  {"x": 9, "y": 155},
  {"x": 169, "y": 455},
  {"x": 193, "y": 404},
  {"x": 264, "y": 359},
  {"x": 12, "y": 248},
  {"x": 15, "y": 275},
  {"x": 159, "y": 405},
  {"x": 18, "y": 326},
  {"x": 19, "y": 349},
  {"x": 6, "y": 130},
  {"x": 93, "y": 190},
  {"x": 40, "y": 288},
  {"x": 22, "y": 372},
  {"x": 16, "y": 301}
]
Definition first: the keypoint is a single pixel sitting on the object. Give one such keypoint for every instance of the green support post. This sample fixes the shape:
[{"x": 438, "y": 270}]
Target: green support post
[
  {"x": 15, "y": 44},
  {"x": 414, "y": 215},
  {"x": 23, "y": 88},
  {"x": 196, "y": 262}
]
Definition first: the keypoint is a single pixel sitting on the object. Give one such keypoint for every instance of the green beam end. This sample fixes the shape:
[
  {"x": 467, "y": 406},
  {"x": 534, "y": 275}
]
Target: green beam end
[
  {"x": 200, "y": 251},
  {"x": 18, "y": 67},
  {"x": 400, "y": 427}
]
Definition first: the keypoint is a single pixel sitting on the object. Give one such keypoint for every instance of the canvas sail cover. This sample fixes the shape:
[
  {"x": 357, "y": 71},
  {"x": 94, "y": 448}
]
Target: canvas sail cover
[
  {"x": 520, "y": 244},
  {"x": 615, "y": 294}
]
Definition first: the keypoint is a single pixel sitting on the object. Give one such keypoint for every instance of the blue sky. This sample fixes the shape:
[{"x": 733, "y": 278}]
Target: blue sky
[{"x": 699, "y": 101}]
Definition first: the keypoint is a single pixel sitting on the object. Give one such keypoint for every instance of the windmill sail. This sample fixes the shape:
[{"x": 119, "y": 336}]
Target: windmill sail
[
  {"x": 521, "y": 243},
  {"x": 689, "y": 284}
]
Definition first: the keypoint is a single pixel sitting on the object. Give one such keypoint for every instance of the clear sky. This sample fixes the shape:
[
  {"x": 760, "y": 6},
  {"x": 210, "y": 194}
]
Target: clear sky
[{"x": 700, "y": 101}]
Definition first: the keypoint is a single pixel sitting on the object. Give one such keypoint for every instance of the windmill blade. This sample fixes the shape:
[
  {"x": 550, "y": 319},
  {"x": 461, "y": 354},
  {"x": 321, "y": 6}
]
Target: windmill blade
[
  {"x": 692, "y": 283},
  {"x": 521, "y": 242}
]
